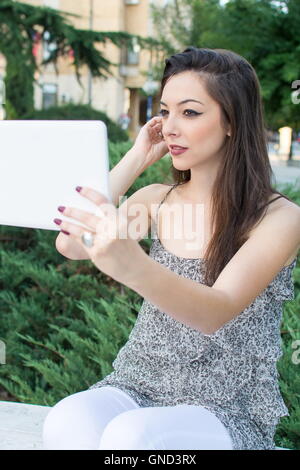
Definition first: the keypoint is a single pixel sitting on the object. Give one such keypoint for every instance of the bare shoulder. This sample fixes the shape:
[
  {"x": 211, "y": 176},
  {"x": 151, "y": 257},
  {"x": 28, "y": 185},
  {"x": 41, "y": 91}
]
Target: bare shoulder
[
  {"x": 284, "y": 215},
  {"x": 156, "y": 193},
  {"x": 146, "y": 193},
  {"x": 137, "y": 207},
  {"x": 144, "y": 198},
  {"x": 151, "y": 193},
  {"x": 282, "y": 202},
  {"x": 283, "y": 208},
  {"x": 158, "y": 189}
]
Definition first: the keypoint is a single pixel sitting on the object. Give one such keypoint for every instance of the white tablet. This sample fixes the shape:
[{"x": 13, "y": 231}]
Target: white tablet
[{"x": 42, "y": 162}]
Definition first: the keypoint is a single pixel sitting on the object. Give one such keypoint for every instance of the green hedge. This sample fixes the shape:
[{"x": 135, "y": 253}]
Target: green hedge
[
  {"x": 63, "y": 322},
  {"x": 78, "y": 112}
]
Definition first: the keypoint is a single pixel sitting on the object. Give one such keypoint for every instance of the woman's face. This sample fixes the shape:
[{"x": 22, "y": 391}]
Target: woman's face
[{"x": 194, "y": 125}]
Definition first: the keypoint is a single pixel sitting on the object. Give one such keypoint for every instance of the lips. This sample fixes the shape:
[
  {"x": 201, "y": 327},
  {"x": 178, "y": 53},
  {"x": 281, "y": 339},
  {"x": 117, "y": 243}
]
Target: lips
[
  {"x": 177, "y": 147},
  {"x": 176, "y": 150}
]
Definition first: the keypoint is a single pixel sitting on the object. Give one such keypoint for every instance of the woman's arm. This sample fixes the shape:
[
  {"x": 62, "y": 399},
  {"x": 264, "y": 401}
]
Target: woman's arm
[
  {"x": 121, "y": 178},
  {"x": 124, "y": 174}
]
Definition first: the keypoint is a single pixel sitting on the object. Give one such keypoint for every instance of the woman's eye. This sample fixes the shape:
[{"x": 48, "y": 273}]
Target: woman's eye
[
  {"x": 189, "y": 111},
  {"x": 161, "y": 112}
]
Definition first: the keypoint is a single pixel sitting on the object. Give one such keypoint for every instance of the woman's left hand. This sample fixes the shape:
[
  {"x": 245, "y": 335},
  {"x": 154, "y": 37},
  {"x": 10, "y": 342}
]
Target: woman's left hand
[{"x": 120, "y": 258}]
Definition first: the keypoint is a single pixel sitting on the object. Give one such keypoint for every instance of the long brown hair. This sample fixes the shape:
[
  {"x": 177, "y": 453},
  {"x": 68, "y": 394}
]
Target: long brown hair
[{"x": 244, "y": 182}]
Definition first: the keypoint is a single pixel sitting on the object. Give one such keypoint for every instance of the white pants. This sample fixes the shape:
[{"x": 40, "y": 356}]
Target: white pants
[{"x": 106, "y": 418}]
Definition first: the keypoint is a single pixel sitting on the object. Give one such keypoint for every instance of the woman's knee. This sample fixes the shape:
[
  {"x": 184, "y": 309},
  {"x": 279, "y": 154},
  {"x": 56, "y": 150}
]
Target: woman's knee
[
  {"x": 77, "y": 421},
  {"x": 165, "y": 427},
  {"x": 64, "y": 420},
  {"x": 135, "y": 429},
  {"x": 125, "y": 431}
]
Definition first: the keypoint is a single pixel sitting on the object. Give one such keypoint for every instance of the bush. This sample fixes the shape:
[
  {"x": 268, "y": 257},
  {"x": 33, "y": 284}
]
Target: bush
[{"x": 80, "y": 112}]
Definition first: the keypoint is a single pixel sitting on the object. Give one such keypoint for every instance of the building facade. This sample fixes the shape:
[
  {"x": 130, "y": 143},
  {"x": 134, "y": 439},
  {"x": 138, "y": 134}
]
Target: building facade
[{"x": 119, "y": 96}]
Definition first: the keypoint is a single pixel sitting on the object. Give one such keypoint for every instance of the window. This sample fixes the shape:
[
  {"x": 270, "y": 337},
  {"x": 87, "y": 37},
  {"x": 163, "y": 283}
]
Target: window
[
  {"x": 49, "y": 95},
  {"x": 2, "y": 110},
  {"x": 48, "y": 47},
  {"x": 51, "y": 3},
  {"x": 131, "y": 57},
  {"x": 2, "y": 91}
]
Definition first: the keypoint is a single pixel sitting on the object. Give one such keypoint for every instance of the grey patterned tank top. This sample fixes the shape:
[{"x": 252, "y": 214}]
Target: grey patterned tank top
[{"x": 232, "y": 371}]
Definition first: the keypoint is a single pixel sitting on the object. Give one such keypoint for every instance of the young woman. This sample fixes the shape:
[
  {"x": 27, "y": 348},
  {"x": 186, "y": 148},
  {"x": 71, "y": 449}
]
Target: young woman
[{"x": 199, "y": 368}]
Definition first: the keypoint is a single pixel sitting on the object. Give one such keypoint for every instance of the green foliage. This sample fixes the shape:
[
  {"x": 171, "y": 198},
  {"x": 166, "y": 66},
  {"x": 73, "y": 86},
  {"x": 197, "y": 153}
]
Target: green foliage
[
  {"x": 288, "y": 430},
  {"x": 62, "y": 325},
  {"x": 19, "y": 88},
  {"x": 78, "y": 112},
  {"x": 262, "y": 31}
]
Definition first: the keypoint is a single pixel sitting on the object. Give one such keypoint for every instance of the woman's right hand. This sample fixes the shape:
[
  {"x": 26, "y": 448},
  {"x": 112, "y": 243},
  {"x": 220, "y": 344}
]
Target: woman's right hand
[
  {"x": 69, "y": 247},
  {"x": 150, "y": 142}
]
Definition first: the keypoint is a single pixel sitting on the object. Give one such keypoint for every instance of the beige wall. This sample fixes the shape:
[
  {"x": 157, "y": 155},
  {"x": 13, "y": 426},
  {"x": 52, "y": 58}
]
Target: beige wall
[
  {"x": 112, "y": 95},
  {"x": 107, "y": 95}
]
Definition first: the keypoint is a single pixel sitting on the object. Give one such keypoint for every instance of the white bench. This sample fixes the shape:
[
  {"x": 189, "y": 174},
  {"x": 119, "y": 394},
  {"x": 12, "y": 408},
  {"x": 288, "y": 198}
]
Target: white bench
[{"x": 21, "y": 426}]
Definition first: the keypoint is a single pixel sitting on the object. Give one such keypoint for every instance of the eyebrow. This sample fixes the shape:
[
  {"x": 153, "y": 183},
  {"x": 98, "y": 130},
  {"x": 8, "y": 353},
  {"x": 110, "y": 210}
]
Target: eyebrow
[{"x": 184, "y": 101}]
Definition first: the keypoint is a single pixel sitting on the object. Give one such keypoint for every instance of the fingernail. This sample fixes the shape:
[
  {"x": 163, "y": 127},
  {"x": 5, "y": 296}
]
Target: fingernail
[
  {"x": 78, "y": 188},
  {"x": 57, "y": 221},
  {"x": 66, "y": 233},
  {"x": 61, "y": 208}
]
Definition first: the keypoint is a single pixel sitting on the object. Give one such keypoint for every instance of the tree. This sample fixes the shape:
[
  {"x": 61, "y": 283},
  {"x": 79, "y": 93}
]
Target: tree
[
  {"x": 21, "y": 24},
  {"x": 265, "y": 32}
]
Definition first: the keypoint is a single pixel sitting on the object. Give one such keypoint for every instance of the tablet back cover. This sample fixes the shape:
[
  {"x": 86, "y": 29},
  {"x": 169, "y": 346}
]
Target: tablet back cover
[{"x": 42, "y": 162}]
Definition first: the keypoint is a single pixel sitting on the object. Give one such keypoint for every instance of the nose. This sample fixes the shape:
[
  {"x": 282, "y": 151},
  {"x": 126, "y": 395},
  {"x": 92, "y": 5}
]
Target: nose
[{"x": 169, "y": 127}]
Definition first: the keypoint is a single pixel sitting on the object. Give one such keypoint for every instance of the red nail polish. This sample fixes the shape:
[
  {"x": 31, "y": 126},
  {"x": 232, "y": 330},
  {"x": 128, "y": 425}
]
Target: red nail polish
[
  {"x": 78, "y": 188},
  {"x": 66, "y": 233},
  {"x": 57, "y": 221},
  {"x": 61, "y": 208}
]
